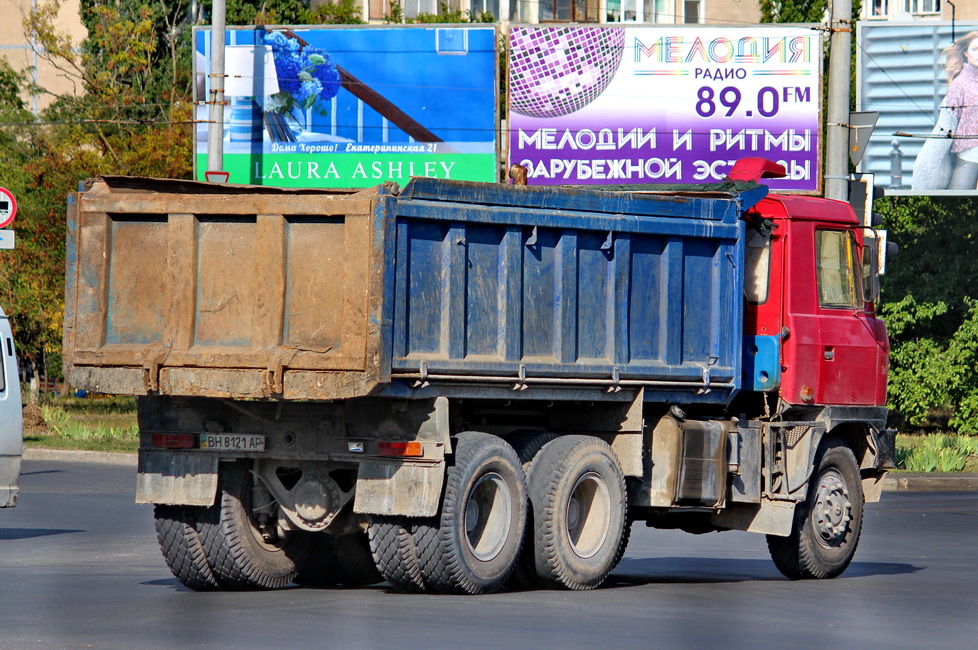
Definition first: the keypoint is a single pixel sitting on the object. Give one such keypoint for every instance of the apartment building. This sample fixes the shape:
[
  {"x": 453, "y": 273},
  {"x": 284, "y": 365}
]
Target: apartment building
[
  {"x": 911, "y": 10},
  {"x": 21, "y": 53},
  {"x": 716, "y": 12}
]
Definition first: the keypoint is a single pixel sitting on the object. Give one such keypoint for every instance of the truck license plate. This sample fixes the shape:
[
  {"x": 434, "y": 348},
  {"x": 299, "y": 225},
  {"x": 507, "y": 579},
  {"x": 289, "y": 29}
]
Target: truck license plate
[{"x": 232, "y": 442}]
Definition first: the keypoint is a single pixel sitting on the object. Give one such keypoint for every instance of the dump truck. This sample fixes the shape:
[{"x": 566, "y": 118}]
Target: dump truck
[{"x": 458, "y": 386}]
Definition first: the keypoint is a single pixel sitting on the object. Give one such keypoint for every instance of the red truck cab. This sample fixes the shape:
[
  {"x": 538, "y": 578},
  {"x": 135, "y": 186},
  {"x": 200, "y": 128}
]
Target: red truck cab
[{"x": 811, "y": 305}]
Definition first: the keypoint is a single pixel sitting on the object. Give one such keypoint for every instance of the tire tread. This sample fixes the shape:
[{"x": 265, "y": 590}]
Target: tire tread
[{"x": 181, "y": 546}]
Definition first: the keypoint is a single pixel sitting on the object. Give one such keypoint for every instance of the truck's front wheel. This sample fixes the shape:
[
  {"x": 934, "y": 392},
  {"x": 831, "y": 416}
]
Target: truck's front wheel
[
  {"x": 472, "y": 545},
  {"x": 827, "y": 525},
  {"x": 245, "y": 548},
  {"x": 577, "y": 493}
]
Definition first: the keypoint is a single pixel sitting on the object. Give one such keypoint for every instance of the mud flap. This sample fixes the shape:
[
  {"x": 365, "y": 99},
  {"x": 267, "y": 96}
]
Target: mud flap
[
  {"x": 769, "y": 517},
  {"x": 396, "y": 488},
  {"x": 176, "y": 478}
]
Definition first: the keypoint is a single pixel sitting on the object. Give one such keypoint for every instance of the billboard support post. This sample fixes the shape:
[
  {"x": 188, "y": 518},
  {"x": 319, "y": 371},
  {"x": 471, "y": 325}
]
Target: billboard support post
[
  {"x": 837, "y": 127},
  {"x": 215, "y": 130}
]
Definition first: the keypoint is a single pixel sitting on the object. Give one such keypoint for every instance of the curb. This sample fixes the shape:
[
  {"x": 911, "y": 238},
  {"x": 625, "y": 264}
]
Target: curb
[
  {"x": 916, "y": 482},
  {"x": 894, "y": 481},
  {"x": 109, "y": 458}
]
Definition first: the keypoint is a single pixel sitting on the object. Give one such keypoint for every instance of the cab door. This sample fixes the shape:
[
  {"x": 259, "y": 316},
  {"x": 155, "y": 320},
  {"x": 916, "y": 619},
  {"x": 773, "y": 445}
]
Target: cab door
[{"x": 849, "y": 348}]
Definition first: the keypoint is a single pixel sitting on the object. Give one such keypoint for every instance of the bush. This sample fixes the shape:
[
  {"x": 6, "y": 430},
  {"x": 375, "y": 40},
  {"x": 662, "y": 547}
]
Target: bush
[{"x": 936, "y": 453}]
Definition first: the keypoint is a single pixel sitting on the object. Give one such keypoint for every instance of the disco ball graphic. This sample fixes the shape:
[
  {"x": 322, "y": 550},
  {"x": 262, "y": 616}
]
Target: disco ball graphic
[{"x": 556, "y": 71}]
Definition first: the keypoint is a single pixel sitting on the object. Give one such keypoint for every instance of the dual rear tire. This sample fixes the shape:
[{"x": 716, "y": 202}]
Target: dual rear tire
[
  {"x": 578, "y": 498},
  {"x": 573, "y": 504},
  {"x": 471, "y": 546},
  {"x": 224, "y": 546}
]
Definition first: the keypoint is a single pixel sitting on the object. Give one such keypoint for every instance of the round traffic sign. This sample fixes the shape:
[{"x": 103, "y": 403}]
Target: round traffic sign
[{"x": 8, "y": 207}]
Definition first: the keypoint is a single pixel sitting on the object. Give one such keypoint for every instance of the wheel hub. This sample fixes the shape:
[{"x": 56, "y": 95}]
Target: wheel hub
[
  {"x": 588, "y": 514},
  {"x": 832, "y": 511},
  {"x": 488, "y": 517}
]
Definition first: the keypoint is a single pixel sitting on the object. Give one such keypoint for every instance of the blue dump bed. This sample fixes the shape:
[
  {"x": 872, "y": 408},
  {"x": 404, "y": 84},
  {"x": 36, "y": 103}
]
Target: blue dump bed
[
  {"x": 553, "y": 287},
  {"x": 450, "y": 288}
]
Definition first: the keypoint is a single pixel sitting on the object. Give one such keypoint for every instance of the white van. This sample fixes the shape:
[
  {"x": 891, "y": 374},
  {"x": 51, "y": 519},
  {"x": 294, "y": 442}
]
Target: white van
[{"x": 11, "y": 418}]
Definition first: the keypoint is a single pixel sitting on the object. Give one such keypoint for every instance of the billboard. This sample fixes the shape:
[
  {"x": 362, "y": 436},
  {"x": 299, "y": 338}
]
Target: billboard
[
  {"x": 613, "y": 105},
  {"x": 353, "y": 106},
  {"x": 921, "y": 144}
]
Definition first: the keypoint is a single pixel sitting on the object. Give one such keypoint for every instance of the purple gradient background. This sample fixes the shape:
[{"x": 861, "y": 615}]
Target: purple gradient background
[
  {"x": 664, "y": 149},
  {"x": 668, "y": 103}
]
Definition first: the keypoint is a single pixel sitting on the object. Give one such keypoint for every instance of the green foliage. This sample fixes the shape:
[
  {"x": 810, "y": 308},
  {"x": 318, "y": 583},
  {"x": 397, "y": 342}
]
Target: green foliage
[
  {"x": 396, "y": 15},
  {"x": 793, "y": 11},
  {"x": 936, "y": 453},
  {"x": 103, "y": 424},
  {"x": 341, "y": 12},
  {"x": 930, "y": 308},
  {"x": 269, "y": 12},
  {"x": 56, "y": 417},
  {"x": 446, "y": 14},
  {"x": 13, "y": 87}
]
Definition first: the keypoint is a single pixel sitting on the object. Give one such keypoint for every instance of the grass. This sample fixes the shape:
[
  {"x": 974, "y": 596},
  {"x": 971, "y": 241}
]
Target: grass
[
  {"x": 92, "y": 424},
  {"x": 109, "y": 424},
  {"x": 939, "y": 452}
]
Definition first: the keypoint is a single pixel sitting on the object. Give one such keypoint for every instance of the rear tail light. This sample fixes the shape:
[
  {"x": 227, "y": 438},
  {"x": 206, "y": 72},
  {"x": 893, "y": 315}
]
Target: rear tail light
[
  {"x": 400, "y": 449},
  {"x": 174, "y": 440}
]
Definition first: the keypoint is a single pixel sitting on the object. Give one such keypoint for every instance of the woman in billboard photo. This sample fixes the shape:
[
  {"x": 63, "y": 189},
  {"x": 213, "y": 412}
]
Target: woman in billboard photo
[{"x": 949, "y": 158}]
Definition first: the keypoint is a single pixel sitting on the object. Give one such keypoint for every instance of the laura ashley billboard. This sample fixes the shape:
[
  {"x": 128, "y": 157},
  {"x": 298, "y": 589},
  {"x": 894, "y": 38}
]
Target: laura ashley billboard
[
  {"x": 353, "y": 106},
  {"x": 608, "y": 105}
]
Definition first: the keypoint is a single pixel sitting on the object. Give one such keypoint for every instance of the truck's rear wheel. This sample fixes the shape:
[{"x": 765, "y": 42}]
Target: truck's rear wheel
[
  {"x": 394, "y": 552},
  {"x": 578, "y": 498},
  {"x": 243, "y": 552},
  {"x": 177, "y": 534},
  {"x": 527, "y": 444},
  {"x": 827, "y": 525},
  {"x": 471, "y": 547},
  {"x": 338, "y": 559}
]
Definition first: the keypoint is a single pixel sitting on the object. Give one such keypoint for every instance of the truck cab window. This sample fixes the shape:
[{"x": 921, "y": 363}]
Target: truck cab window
[
  {"x": 836, "y": 255},
  {"x": 757, "y": 254}
]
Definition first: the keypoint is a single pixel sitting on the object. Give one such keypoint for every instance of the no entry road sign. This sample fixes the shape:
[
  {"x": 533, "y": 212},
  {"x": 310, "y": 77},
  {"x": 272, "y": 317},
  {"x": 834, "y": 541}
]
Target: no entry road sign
[{"x": 8, "y": 207}]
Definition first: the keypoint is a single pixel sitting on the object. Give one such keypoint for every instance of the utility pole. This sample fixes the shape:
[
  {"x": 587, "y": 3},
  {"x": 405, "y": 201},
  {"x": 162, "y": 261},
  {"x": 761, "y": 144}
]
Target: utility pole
[
  {"x": 837, "y": 127},
  {"x": 215, "y": 130}
]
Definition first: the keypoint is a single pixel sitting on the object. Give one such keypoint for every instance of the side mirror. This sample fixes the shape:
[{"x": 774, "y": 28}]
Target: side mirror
[{"x": 872, "y": 264}]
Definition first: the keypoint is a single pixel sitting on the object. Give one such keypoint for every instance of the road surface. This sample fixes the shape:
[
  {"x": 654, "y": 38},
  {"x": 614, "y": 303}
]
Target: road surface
[{"x": 79, "y": 567}]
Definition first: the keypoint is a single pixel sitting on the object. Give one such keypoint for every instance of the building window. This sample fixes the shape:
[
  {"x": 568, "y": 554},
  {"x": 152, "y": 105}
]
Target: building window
[
  {"x": 638, "y": 11},
  {"x": 922, "y": 6},
  {"x": 412, "y": 8},
  {"x": 477, "y": 7},
  {"x": 836, "y": 255},
  {"x": 576, "y": 11},
  {"x": 877, "y": 9},
  {"x": 693, "y": 11}
]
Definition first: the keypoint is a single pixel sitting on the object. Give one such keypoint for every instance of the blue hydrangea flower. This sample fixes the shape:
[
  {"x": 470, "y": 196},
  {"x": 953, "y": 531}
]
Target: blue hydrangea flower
[{"x": 306, "y": 76}]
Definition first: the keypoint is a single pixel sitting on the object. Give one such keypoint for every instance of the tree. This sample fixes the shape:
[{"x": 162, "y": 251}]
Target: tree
[
  {"x": 793, "y": 11},
  {"x": 931, "y": 311},
  {"x": 130, "y": 113}
]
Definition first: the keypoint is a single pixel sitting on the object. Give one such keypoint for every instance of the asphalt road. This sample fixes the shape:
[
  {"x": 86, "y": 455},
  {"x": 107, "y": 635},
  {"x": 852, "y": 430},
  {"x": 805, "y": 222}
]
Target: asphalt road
[{"x": 79, "y": 567}]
